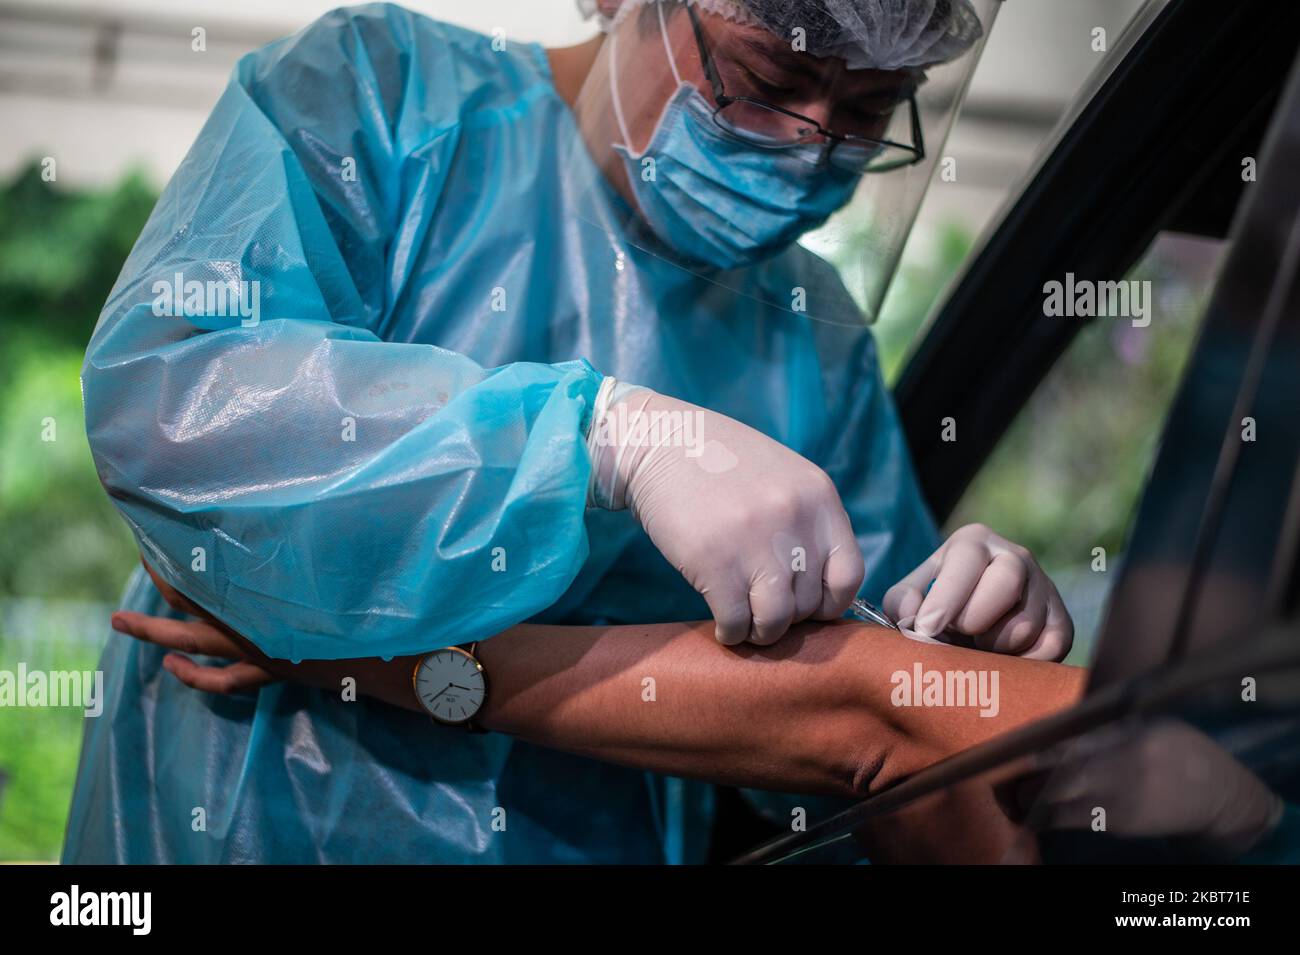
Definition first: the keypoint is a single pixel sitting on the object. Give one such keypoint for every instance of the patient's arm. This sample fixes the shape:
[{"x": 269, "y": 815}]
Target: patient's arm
[
  {"x": 810, "y": 714},
  {"x": 813, "y": 713}
]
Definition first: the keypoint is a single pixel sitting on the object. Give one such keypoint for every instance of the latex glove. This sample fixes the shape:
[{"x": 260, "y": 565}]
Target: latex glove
[
  {"x": 758, "y": 530},
  {"x": 1162, "y": 780},
  {"x": 989, "y": 589}
]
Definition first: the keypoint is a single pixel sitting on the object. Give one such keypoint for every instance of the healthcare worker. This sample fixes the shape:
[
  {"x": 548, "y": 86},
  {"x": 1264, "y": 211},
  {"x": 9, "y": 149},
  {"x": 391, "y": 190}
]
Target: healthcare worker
[{"x": 433, "y": 333}]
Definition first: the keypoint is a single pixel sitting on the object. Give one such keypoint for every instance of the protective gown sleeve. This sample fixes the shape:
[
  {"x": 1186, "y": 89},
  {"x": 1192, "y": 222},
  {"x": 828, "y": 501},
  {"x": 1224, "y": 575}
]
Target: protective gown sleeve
[{"x": 325, "y": 492}]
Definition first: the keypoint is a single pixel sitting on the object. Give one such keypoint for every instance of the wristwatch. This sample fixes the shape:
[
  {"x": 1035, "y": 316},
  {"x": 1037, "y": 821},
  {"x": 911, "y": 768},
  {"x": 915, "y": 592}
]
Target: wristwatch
[{"x": 451, "y": 686}]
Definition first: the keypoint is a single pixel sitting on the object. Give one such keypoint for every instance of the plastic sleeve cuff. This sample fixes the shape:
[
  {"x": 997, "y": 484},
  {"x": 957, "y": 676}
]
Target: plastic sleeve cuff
[{"x": 599, "y": 442}]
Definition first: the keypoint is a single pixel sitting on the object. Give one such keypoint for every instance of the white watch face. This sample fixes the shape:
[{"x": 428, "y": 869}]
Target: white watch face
[{"x": 450, "y": 685}]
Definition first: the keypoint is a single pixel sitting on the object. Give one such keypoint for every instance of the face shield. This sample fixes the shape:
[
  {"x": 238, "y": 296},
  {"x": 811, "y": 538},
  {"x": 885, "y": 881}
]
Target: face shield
[{"x": 731, "y": 131}]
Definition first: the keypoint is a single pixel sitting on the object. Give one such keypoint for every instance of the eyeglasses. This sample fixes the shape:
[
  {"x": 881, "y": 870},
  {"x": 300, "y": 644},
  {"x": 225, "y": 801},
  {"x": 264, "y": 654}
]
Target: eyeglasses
[{"x": 768, "y": 126}]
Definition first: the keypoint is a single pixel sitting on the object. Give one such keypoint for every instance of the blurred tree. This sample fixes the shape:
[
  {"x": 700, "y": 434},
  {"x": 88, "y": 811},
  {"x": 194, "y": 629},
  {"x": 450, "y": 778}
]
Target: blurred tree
[
  {"x": 63, "y": 539},
  {"x": 60, "y": 253},
  {"x": 927, "y": 269},
  {"x": 930, "y": 261},
  {"x": 1068, "y": 474}
]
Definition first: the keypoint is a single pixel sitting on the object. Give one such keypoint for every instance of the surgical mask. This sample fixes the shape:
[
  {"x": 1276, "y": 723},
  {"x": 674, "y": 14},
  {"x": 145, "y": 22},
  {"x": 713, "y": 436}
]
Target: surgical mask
[{"x": 719, "y": 201}]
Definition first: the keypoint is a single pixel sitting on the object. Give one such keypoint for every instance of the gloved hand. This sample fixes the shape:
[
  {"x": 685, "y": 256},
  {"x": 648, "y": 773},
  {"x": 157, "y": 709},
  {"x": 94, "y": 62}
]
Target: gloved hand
[
  {"x": 1162, "y": 780},
  {"x": 758, "y": 530},
  {"x": 987, "y": 588}
]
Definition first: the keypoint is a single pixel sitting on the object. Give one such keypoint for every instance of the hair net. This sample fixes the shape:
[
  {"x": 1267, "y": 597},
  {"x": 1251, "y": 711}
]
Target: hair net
[{"x": 866, "y": 34}]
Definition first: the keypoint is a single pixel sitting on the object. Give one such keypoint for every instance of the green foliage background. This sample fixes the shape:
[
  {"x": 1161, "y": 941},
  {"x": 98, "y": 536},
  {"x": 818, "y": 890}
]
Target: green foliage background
[{"x": 62, "y": 543}]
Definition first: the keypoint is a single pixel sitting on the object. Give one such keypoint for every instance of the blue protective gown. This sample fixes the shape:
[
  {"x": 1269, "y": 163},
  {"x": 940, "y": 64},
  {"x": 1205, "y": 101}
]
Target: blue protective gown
[{"x": 444, "y": 279}]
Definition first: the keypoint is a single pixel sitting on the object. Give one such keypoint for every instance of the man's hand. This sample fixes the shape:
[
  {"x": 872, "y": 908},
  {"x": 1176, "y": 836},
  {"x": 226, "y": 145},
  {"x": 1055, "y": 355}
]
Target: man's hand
[
  {"x": 756, "y": 529},
  {"x": 1162, "y": 780},
  {"x": 206, "y": 636},
  {"x": 989, "y": 589}
]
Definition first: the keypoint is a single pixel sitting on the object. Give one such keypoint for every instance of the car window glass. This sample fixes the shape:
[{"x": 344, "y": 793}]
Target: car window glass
[{"x": 1066, "y": 479}]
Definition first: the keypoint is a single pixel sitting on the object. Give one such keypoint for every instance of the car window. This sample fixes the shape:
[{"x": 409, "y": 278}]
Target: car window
[{"x": 1066, "y": 479}]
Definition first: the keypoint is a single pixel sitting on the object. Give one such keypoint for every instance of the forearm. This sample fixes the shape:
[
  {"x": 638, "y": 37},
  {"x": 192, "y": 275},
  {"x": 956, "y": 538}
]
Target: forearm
[{"x": 813, "y": 713}]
